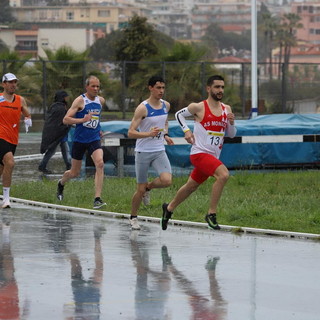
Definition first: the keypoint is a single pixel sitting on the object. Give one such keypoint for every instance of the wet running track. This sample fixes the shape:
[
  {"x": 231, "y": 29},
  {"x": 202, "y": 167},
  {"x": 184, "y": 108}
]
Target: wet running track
[{"x": 63, "y": 265}]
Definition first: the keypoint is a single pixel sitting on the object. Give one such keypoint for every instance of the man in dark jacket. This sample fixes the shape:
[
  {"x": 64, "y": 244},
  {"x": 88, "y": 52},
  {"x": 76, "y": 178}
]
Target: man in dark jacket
[{"x": 55, "y": 132}]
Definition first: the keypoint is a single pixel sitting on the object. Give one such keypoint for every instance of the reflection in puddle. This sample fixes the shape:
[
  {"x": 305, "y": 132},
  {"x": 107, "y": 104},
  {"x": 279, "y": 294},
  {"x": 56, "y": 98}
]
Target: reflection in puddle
[{"x": 9, "y": 293}]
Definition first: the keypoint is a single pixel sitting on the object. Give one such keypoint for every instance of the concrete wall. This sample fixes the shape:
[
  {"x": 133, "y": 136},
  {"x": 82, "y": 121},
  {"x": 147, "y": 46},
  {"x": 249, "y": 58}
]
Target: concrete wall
[
  {"x": 8, "y": 37},
  {"x": 53, "y": 39}
]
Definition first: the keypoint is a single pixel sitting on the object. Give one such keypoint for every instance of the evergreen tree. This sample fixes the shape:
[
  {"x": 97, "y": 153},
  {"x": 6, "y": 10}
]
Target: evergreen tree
[
  {"x": 105, "y": 48},
  {"x": 137, "y": 42},
  {"x": 216, "y": 39},
  {"x": 6, "y": 16}
]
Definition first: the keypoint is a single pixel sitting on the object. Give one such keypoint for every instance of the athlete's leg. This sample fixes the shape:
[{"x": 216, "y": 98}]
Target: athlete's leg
[
  {"x": 162, "y": 166},
  {"x": 8, "y": 165},
  {"x": 142, "y": 164},
  {"x": 163, "y": 181},
  {"x": 222, "y": 175},
  {"x": 97, "y": 157},
  {"x": 73, "y": 172},
  {"x": 137, "y": 198},
  {"x": 183, "y": 193}
]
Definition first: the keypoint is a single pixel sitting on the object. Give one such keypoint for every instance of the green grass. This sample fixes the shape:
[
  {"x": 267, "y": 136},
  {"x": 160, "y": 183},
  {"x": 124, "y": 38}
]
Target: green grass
[{"x": 286, "y": 200}]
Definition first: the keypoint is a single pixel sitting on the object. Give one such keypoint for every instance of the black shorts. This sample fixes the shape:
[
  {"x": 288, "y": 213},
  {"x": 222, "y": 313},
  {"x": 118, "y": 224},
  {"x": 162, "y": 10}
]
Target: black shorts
[
  {"x": 6, "y": 147},
  {"x": 79, "y": 149}
]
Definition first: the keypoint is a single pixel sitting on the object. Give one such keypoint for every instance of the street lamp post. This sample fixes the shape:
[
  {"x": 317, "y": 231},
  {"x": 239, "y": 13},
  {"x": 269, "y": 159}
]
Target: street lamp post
[{"x": 254, "y": 73}]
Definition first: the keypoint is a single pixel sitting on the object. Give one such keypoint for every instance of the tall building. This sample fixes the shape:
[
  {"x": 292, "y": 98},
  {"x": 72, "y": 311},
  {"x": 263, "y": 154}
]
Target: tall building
[
  {"x": 222, "y": 13},
  {"x": 106, "y": 16},
  {"x": 310, "y": 18}
]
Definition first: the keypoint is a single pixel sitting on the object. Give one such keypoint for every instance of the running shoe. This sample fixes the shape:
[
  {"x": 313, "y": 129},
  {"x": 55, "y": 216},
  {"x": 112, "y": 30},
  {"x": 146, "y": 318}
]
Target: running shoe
[
  {"x": 98, "y": 203},
  {"x": 166, "y": 215},
  {"x": 134, "y": 224},
  {"x": 212, "y": 221},
  {"x": 146, "y": 198},
  {"x": 60, "y": 191},
  {"x": 6, "y": 204},
  {"x": 44, "y": 170}
]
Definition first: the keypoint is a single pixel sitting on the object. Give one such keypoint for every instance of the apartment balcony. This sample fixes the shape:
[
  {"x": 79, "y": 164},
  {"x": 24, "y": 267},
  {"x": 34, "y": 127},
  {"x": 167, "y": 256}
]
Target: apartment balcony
[{"x": 26, "y": 48}]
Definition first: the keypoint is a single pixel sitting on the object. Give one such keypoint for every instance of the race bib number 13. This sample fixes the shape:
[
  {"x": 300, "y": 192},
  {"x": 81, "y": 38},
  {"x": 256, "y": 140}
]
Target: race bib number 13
[
  {"x": 214, "y": 138},
  {"x": 93, "y": 123}
]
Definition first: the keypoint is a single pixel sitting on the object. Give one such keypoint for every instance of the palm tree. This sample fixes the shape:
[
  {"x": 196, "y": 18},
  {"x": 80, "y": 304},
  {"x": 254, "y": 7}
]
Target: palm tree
[
  {"x": 11, "y": 61},
  {"x": 290, "y": 23},
  {"x": 64, "y": 68},
  {"x": 269, "y": 27},
  {"x": 279, "y": 38}
]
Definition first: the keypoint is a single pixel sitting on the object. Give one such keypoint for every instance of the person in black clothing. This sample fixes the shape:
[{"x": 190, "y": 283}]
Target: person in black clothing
[{"x": 55, "y": 132}]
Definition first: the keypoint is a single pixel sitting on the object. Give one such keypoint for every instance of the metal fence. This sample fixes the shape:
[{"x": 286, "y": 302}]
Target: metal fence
[{"x": 124, "y": 84}]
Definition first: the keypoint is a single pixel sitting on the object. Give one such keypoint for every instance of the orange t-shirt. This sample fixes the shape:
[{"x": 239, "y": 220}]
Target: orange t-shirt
[{"x": 10, "y": 114}]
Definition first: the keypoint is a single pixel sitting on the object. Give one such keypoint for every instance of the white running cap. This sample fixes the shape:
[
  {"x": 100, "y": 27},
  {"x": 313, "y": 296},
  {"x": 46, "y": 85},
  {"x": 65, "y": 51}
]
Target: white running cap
[{"x": 9, "y": 77}]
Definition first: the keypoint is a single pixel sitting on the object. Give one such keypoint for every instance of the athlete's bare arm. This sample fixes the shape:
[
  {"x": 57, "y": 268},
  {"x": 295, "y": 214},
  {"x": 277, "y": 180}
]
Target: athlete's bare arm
[
  {"x": 230, "y": 115},
  {"x": 102, "y": 101},
  {"x": 76, "y": 106},
  {"x": 166, "y": 126},
  {"x": 139, "y": 114},
  {"x": 197, "y": 109},
  {"x": 25, "y": 111}
]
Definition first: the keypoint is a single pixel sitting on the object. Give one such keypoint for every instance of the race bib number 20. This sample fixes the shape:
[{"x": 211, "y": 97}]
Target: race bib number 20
[{"x": 92, "y": 123}]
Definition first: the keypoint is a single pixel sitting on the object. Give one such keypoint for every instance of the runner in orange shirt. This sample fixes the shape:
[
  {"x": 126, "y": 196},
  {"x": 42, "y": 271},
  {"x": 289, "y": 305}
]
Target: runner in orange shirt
[{"x": 11, "y": 107}]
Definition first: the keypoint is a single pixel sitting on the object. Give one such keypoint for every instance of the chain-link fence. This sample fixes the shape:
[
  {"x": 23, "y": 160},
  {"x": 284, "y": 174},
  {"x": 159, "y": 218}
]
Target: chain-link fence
[{"x": 124, "y": 84}]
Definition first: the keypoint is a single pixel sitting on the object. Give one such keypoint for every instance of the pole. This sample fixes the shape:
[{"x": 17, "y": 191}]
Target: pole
[{"x": 254, "y": 73}]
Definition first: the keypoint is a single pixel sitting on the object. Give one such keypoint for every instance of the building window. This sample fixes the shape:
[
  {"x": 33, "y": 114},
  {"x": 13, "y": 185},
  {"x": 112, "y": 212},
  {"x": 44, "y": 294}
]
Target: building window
[
  {"x": 43, "y": 14},
  {"x": 26, "y": 45},
  {"x": 84, "y": 13},
  {"x": 70, "y": 15},
  {"x": 44, "y": 42},
  {"x": 55, "y": 14},
  {"x": 103, "y": 13}
]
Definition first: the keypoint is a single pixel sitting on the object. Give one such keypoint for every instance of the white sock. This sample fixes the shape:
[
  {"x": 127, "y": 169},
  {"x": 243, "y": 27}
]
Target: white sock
[{"x": 6, "y": 193}]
